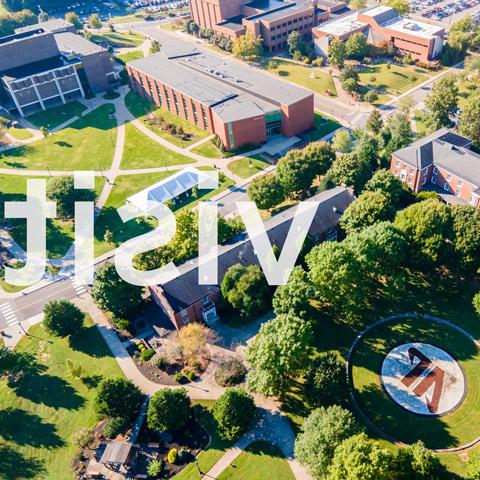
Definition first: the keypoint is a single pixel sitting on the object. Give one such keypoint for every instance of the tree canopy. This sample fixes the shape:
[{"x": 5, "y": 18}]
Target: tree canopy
[
  {"x": 169, "y": 409},
  {"x": 117, "y": 397},
  {"x": 248, "y": 47},
  {"x": 442, "y": 102},
  {"x": 469, "y": 121},
  {"x": 62, "y": 318},
  {"x": 266, "y": 191}
]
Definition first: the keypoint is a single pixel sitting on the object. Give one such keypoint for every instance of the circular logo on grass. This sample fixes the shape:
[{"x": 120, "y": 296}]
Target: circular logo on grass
[{"x": 423, "y": 379}]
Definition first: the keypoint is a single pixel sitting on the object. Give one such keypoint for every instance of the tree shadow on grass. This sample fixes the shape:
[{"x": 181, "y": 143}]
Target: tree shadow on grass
[
  {"x": 14, "y": 465},
  {"x": 61, "y": 143},
  {"x": 87, "y": 341},
  {"x": 25, "y": 428}
]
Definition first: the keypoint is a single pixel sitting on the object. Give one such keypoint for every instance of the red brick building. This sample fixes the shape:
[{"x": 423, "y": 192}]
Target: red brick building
[
  {"x": 442, "y": 162},
  {"x": 238, "y": 103},
  {"x": 183, "y": 300},
  {"x": 383, "y": 24}
]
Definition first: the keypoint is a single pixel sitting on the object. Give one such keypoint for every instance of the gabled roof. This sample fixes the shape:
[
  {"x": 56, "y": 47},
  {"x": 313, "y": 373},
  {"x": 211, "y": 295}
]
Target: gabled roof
[{"x": 185, "y": 290}]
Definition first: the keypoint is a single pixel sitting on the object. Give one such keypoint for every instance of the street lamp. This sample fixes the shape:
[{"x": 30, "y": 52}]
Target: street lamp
[{"x": 198, "y": 468}]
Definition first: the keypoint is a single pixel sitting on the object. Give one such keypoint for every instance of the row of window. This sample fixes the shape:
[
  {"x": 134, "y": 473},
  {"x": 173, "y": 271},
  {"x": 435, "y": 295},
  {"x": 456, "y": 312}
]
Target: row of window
[{"x": 291, "y": 22}]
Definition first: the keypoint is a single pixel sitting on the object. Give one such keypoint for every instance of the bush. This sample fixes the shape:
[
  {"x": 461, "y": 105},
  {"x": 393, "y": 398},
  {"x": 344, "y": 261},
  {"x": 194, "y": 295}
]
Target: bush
[
  {"x": 121, "y": 323},
  {"x": 183, "y": 455},
  {"x": 62, "y": 318},
  {"x": 158, "y": 361},
  {"x": 172, "y": 455},
  {"x": 168, "y": 409},
  {"x": 117, "y": 397},
  {"x": 318, "y": 62},
  {"x": 476, "y": 303},
  {"x": 188, "y": 374},
  {"x": 230, "y": 373},
  {"x": 154, "y": 468},
  {"x": 371, "y": 96},
  {"x": 115, "y": 426},
  {"x": 180, "y": 377},
  {"x": 147, "y": 354},
  {"x": 197, "y": 366}
]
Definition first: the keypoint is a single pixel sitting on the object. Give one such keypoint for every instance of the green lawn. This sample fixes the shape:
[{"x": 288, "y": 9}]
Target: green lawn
[
  {"x": 119, "y": 40},
  {"x": 215, "y": 450},
  {"x": 88, "y": 143},
  {"x": 41, "y": 412},
  {"x": 259, "y": 461},
  {"x": 139, "y": 107},
  {"x": 466, "y": 90},
  {"x": 395, "y": 81},
  {"x": 247, "y": 166},
  {"x": 323, "y": 126},
  {"x": 422, "y": 128},
  {"x": 20, "y": 133},
  {"x": 130, "y": 56},
  {"x": 55, "y": 116},
  {"x": 208, "y": 149},
  {"x": 143, "y": 152},
  {"x": 312, "y": 78}
]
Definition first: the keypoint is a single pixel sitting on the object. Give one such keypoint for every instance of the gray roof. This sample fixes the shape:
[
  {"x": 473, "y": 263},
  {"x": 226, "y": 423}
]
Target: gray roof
[
  {"x": 420, "y": 154},
  {"x": 52, "y": 25},
  {"x": 69, "y": 42},
  {"x": 36, "y": 68},
  {"x": 185, "y": 290},
  {"x": 117, "y": 453},
  {"x": 382, "y": 14}
]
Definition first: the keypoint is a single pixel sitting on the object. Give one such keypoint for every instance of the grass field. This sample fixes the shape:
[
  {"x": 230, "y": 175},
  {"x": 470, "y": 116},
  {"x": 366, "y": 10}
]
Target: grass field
[
  {"x": 139, "y": 107},
  {"x": 454, "y": 429},
  {"x": 308, "y": 77},
  {"x": 259, "y": 461},
  {"x": 247, "y": 166},
  {"x": 323, "y": 126},
  {"x": 130, "y": 56},
  {"x": 88, "y": 143},
  {"x": 143, "y": 152},
  {"x": 41, "y": 412},
  {"x": 466, "y": 90},
  {"x": 208, "y": 149},
  {"x": 422, "y": 128},
  {"x": 55, "y": 116},
  {"x": 119, "y": 40},
  {"x": 20, "y": 133},
  {"x": 394, "y": 80}
]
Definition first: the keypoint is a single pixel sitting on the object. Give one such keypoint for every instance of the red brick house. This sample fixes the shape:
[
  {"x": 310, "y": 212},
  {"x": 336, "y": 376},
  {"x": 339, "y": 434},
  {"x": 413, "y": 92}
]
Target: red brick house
[
  {"x": 442, "y": 162},
  {"x": 183, "y": 300}
]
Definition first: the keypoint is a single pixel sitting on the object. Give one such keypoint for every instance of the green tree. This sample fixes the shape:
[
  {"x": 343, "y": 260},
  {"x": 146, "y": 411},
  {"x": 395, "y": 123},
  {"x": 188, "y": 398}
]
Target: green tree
[
  {"x": 350, "y": 85},
  {"x": 266, "y": 192},
  {"x": 350, "y": 170},
  {"x": 169, "y": 409},
  {"x": 356, "y": 46},
  {"x": 476, "y": 303},
  {"x": 320, "y": 156},
  {"x": 73, "y": 18},
  {"x": 342, "y": 141},
  {"x": 234, "y": 412},
  {"x": 14, "y": 364},
  {"x": 358, "y": 4},
  {"x": 406, "y": 104},
  {"x": 416, "y": 462},
  {"x": 246, "y": 289},
  {"x": 374, "y": 122},
  {"x": 469, "y": 121},
  {"x": 62, "y": 191},
  {"x": 326, "y": 381},
  {"x": 368, "y": 209},
  {"x": 94, "y": 21},
  {"x": 294, "y": 297},
  {"x": 296, "y": 43},
  {"x": 401, "y": 6},
  {"x": 248, "y": 47},
  {"x": 466, "y": 238},
  {"x": 322, "y": 432},
  {"x": 388, "y": 184},
  {"x": 117, "y": 397},
  {"x": 473, "y": 467},
  {"x": 442, "y": 102},
  {"x": 337, "y": 53},
  {"x": 294, "y": 173},
  {"x": 155, "y": 46},
  {"x": 44, "y": 131},
  {"x": 277, "y": 354},
  {"x": 62, "y": 318},
  {"x": 112, "y": 293}
]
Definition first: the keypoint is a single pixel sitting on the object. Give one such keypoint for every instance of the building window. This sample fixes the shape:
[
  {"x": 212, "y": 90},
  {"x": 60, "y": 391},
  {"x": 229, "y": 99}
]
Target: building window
[
  {"x": 424, "y": 181},
  {"x": 434, "y": 180},
  {"x": 331, "y": 235},
  {"x": 175, "y": 100},
  {"x": 457, "y": 191},
  {"x": 185, "y": 108},
  {"x": 449, "y": 177},
  {"x": 230, "y": 135},
  {"x": 195, "y": 113},
  {"x": 472, "y": 200},
  {"x": 446, "y": 187},
  {"x": 204, "y": 116},
  {"x": 435, "y": 170}
]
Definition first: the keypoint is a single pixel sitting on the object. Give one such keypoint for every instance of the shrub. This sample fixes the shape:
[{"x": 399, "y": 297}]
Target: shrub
[
  {"x": 371, "y": 96},
  {"x": 158, "y": 361},
  {"x": 188, "y": 374},
  {"x": 230, "y": 373},
  {"x": 121, "y": 323},
  {"x": 197, "y": 366},
  {"x": 179, "y": 377},
  {"x": 117, "y": 397},
  {"x": 154, "y": 468},
  {"x": 172, "y": 455},
  {"x": 183, "y": 455},
  {"x": 476, "y": 303},
  {"x": 115, "y": 426},
  {"x": 168, "y": 409},
  {"x": 147, "y": 354},
  {"x": 83, "y": 437}
]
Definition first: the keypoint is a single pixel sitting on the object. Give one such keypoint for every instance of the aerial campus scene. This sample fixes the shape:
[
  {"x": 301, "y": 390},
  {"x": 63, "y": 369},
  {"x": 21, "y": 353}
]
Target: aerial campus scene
[{"x": 240, "y": 239}]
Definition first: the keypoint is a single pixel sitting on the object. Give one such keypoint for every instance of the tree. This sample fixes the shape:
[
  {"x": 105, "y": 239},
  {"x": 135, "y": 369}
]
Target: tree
[
  {"x": 320, "y": 156},
  {"x": 117, "y": 397},
  {"x": 401, "y": 6},
  {"x": 154, "y": 468},
  {"x": 193, "y": 339},
  {"x": 14, "y": 364},
  {"x": 294, "y": 173},
  {"x": 473, "y": 467},
  {"x": 62, "y": 191},
  {"x": 337, "y": 53},
  {"x": 342, "y": 141},
  {"x": 374, "y": 122},
  {"x": 388, "y": 184},
  {"x": 155, "y": 46},
  {"x": 350, "y": 170},
  {"x": 466, "y": 238},
  {"x": 350, "y": 85},
  {"x": 294, "y": 297},
  {"x": 476, "y": 303},
  {"x": 358, "y": 4},
  {"x": 62, "y": 318},
  {"x": 296, "y": 43},
  {"x": 246, "y": 289},
  {"x": 416, "y": 462},
  {"x": 469, "y": 121},
  {"x": 326, "y": 381},
  {"x": 323, "y": 431},
  {"x": 94, "y": 21},
  {"x": 169, "y": 409},
  {"x": 358, "y": 457},
  {"x": 266, "y": 192},
  {"x": 442, "y": 102},
  {"x": 368, "y": 209},
  {"x": 73, "y": 18},
  {"x": 356, "y": 46},
  {"x": 44, "y": 131},
  {"x": 112, "y": 293},
  {"x": 406, "y": 104},
  {"x": 427, "y": 226},
  {"x": 278, "y": 352},
  {"x": 248, "y": 47},
  {"x": 234, "y": 412}
]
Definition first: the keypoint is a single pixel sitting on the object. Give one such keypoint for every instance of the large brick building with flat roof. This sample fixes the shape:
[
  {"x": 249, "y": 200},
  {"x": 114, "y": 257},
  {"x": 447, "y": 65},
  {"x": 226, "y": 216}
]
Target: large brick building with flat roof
[
  {"x": 379, "y": 24},
  {"x": 238, "y": 103}
]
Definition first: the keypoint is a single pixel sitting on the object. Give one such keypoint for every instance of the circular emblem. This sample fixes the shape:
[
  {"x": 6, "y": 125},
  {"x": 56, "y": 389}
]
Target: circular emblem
[{"x": 423, "y": 379}]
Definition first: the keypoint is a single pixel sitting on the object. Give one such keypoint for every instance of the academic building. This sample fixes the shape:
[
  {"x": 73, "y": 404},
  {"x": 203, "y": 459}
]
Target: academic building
[{"x": 240, "y": 104}]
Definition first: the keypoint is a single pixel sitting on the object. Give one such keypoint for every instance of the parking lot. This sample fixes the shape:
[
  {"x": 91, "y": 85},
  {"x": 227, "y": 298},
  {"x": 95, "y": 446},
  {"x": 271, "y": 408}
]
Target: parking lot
[{"x": 445, "y": 12}]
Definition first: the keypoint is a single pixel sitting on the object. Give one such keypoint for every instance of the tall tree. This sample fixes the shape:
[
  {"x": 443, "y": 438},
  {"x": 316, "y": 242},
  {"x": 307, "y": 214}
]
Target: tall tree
[
  {"x": 469, "y": 121},
  {"x": 342, "y": 141},
  {"x": 356, "y": 46},
  {"x": 442, "y": 102},
  {"x": 466, "y": 238},
  {"x": 294, "y": 173},
  {"x": 350, "y": 170},
  {"x": 401, "y": 6},
  {"x": 117, "y": 397},
  {"x": 296, "y": 43},
  {"x": 94, "y": 21},
  {"x": 336, "y": 53},
  {"x": 14, "y": 364},
  {"x": 374, "y": 122},
  {"x": 266, "y": 191},
  {"x": 168, "y": 409},
  {"x": 248, "y": 47},
  {"x": 384, "y": 181},
  {"x": 73, "y": 18},
  {"x": 62, "y": 318},
  {"x": 320, "y": 156},
  {"x": 62, "y": 191}
]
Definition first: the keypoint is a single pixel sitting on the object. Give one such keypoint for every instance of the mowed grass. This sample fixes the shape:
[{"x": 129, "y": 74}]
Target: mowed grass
[
  {"x": 323, "y": 126},
  {"x": 53, "y": 117},
  {"x": 139, "y": 107},
  {"x": 247, "y": 166},
  {"x": 208, "y": 150},
  {"x": 215, "y": 450},
  {"x": 87, "y": 144},
  {"x": 119, "y": 40},
  {"x": 20, "y": 133},
  {"x": 130, "y": 56},
  {"x": 143, "y": 152},
  {"x": 394, "y": 80},
  {"x": 308, "y": 77},
  {"x": 260, "y": 461},
  {"x": 41, "y": 413},
  {"x": 452, "y": 430},
  {"x": 466, "y": 90}
]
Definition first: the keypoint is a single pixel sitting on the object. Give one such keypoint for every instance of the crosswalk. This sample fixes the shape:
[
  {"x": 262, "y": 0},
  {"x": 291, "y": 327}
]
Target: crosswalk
[
  {"x": 9, "y": 314},
  {"x": 79, "y": 286}
]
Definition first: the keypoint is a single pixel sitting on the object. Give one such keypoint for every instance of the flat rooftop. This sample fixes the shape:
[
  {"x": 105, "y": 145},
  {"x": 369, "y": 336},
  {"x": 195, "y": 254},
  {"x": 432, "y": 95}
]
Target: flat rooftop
[
  {"x": 36, "y": 68},
  {"x": 341, "y": 26},
  {"x": 69, "y": 43},
  {"x": 49, "y": 25},
  {"x": 412, "y": 27}
]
